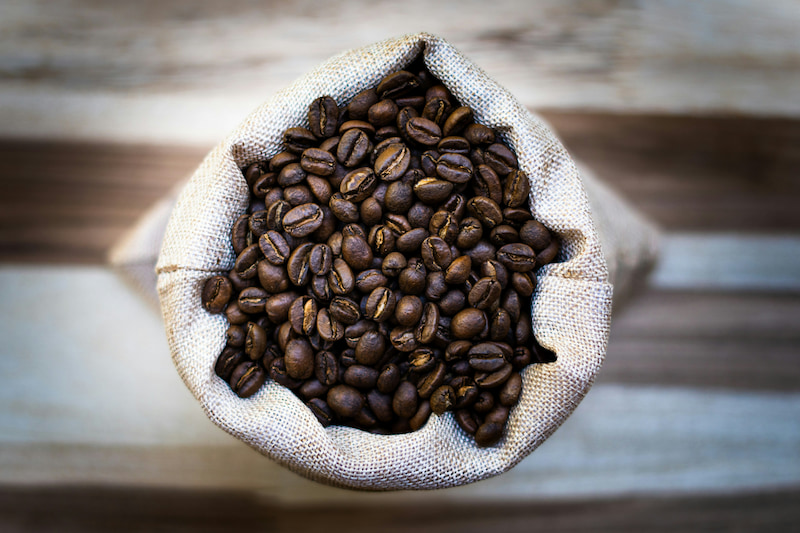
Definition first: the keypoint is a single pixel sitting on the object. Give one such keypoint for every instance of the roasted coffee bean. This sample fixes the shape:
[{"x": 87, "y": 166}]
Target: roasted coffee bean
[
  {"x": 522, "y": 332},
  {"x": 278, "y": 374},
  {"x": 485, "y": 293},
  {"x": 436, "y": 110},
  {"x": 275, "y": 215},
  {"x": 320, "y": 259},
  {"x": 432, "y": 380},
  {"x": 517, "y": 257},
  {"x": 234, "y": 314},
  {"x": 459, "y": 119},
  {"x": 421, "y": 417},
  {"x": 466, "y": 421},
  {"x": 429, "y": 321},
  {"x": 247, "y": 378},
  {"x": 500, "y": 158},
  {"x": 435, "y": 253},
  {"x": 369, "y": 280},
  {"x": 410, "y": 241},
  {"x": 326, "y": 368},
  {"x": 468, "y": 323},
  {"x": 255, "y": 341},
  {"x": 524, "y": 283},
  {"x": 535, "y": 235},
  {"x": 342, "y": 209},
  {"x": 397, "y": 84},
  {"x": 228, "y": 360},
  {"x": 454, "y": 145},
  {"x": 488, "y": 434},
  {"x": 509, "y": 394},
  {"x": 298, "y": 195},
  {"x": 399, "y": 197},
  {"x": 264, "y": 188},
  {"x": 257, "y": 223},
  {"x": 277, "y": 306},
  {"x": 328, "y": 327},
  {"x": 433, "y": 190},
  {"x": 321, "y": 410},
  {"x": 423, "y": 131},
  {"x": 487, "y": 184},
  {"x": 500, "y": 325},
  {"x": 393, "y": 162},
  {"x": 303, "y": 315},
  {"x": 458, "y": 270},
  {"x": 484, "y": 403},
  {"x": 299, "y": 359},
  {"x": 408, "y": 310},
  {"x": 317, "y": 161},
  {"x": 380, "y": 304},
  {"x": 247, "y": 262},
  {"x": 345, "y": 400},
  {"x": 428, "y": 161},
  {"x": 490, "y": 380},
  {"x": 516, "y": 189},
  {"x": 361, "y": 376},
  {"x": 282, "y": 159},
  {"x": 298, "y": 139},
  {"x": 362, "y": 125},
  {"x": 312, "y": 389},
  {"x": 548, "y": 255},
  {"x": 291, "y": 174},
  {"x": 341, "y": 278},
  {"x": 323, "y": 117},
  {"x": 353, "y": 148},
  {"x": 470, "y": 233},
  {"x": 389, "y": 379},
  {"x": 371, "y": 211},
  {"x": 239, "y": 233},
  {"x": 393, "y": 264},
  {"x": 370, "y": 348},
  {"x": 381, "y": 239},
  {"x": 481, "y": 252},
  {"x": 216, "y": 294},
  {"x": 272, "y": 278},
  {"x": 358, "y": 184},
  {"x": 302, "y": 220},
  {"x": 495, "y": 269},
  {"x": 444, "y": 225},
  {"x": 405, "y": 400},
  {"x": 479, "y": 134},
  {"x": 486, "y": 210},
  {"x": 503, "y": 234},
  {"x": 380, "y": 404},
  {"x": 382, "y": 113},
  {"x": 435, "y": 286},
  {"x": 403, "y": 339},
  {"x": 356, "y": 252},
  {"x": 274, "y": 247},
  {"x": 511, "y": 302},
  {"x": 297, "y": 266},
  {"x": 344, "y": 310},
  {"x": 234, "y": 336},
  {"x": 252, "y": 300},
  {"x": 412, "y": 278},
  {"x": 405, "y": 114},
  {"x": 397, "y": 223},
  {"x": 442, "y": 399},
  {"x": 454, "y": 168},
  {"x": 452, "y": 302},
  {"x": 359, "y": 106}
]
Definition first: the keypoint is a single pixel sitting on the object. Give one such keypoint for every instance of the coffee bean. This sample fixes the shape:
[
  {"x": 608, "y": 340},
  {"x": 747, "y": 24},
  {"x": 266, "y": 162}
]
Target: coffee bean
[
  {"x": 442, "y": 399},
  {"x": 275, "y": 215},
  {"x": 247, "y": 378},
  {"x": 412, "y": 278},
  {"x": 382, "y": 113},
  {"x": 435, "y": 253},
  {"x": 362, "y": 125},
  {"x": 274, "y": 247},
  {"x": 454, "y": 145},
  {"x": 459, "y": 119},
  {"x": 312, "y": 389},
  {"x": 548, "y": 255},
  {"x": 432, "y": 380},
  {"x": 466, "y": 421},
  {"x": 484, "y": 403},
  {"x": 358, "y": 184},
  {"x": 490, "y": 380},
  {"x": 323, "y": 117},
  {"x": 344, "y": 310},
  {"x": 399, "y": 197},
  {"x": 282, "y": 159},
  {"x": 361, "y": 377},
  {"x": 405, "y": 114},
  {"x": 234, "y": 336},
  {"x": 371, "y": 212},
  {"x": 341, "y": 278},
  {"x": 436, "y": 110},
  {"x": 299, "y": 359},
  {"x": 234, "y": 314},
  {"x": 408, "y": 310},
  {"x": 452, "y": 302},
  {"x": 252, "y": 300},
  {"x": 486, "y": 210},
  {"x": 403, "y": 339},
  {"x": 370, "y": 348},
  {"x": 410, "y": 241},
  {"x": 481, "y": 252},
  {"x": 356, "y": 252},
  {"x": 393, "y": 264},
  {"x": 433, "y": 190},
  {"x": 488, "y": 434},
  {"x": 239, "y": 233},
  {"x": 428, "y": 161},
  {"x": 429, "y": 321},
  {"x": 516, "y": 189},
  {"x": 381, "y": 239},
  {"x": 389, "y": 379},
  {"x": 369, "y": 280},
  {"x": 345, "y": 400},
  {"x": 360, "y": 104},
  {"x": 423, "y": 131},
  {"x": 317, "y": 161},
  {"x": 255, "y": 341},
  {"x": 517, "y": 257},
  {"x": 479, "y": 134},
  {"x": 302, "y": 220},
  {"x": 353, "y": 148},
  {"x": 485, "y": 293},
  {"x": 380, "y": 304},
  {"x": 444, "y": 225},
  {"x": 421, "y": 416},
  {"x": 321, "y": 410},
  {"x": 298, "y": 139},
  {"x": 509, "y": 394},
  {"x": 405, "y": 400},
  {"x": 468, "y": 323},
  {"x": 381, "y": 405},
  {"x": 458, "y": 270},
  {"x": 501, "y": 159},
  {"x": 326, "y": 368},
  {"x": 291, "y": 174},
  {"x": 486, "y": 183},
  {"x": 454, "y": 168},
  {"x": 522, "y": 332},
  {"x": 228, "y": 360},
  {"x": 397, "y": 84},
  {"x": 393, "y": 162},
  {"x": 247, "y": 263},
  {"x": 303, "y": 315},
  {"x": 216, "y": 294}
]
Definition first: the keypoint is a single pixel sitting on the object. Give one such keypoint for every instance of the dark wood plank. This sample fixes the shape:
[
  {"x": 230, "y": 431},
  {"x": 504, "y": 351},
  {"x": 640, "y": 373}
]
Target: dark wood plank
[
  {"x": 67, "y": 509},
  {"x": 706, "y": 339},
  {"x": 68, "y": 202}
]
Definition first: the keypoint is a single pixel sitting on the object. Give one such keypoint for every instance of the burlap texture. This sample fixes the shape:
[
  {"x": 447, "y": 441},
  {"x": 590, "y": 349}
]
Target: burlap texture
[{"x": 571, "y": 309}]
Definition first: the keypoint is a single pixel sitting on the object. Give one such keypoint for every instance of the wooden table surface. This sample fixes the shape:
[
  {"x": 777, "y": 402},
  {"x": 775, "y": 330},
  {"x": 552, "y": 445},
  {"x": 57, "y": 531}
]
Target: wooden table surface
[{"x": 689, "y": 110}]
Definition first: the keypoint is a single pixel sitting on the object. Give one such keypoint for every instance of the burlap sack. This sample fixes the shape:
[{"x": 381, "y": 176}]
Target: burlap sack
[{"x": 571, "y": 309}]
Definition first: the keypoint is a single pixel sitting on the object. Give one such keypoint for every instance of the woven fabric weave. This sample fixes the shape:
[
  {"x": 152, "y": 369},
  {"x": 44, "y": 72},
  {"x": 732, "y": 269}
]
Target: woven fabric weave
[{"x": 571, "y": 309}]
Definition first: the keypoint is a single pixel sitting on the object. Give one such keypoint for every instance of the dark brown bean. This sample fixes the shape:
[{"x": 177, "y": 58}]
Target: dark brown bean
[
  {"x": 247, "y": 379},
  {"x": 517, "y": 257},
  {"x": 299, "y": 359},
  {"x": 393, "y": 162},
  {"x": 459, "y": 119},
  {"x": 345, "y": 400},
  {"x": 297, "y": 140},
  {"x": 359, "y": 106},
  {"x": 252, "y": 300},
  {"x": 421, "y": 417},
  {"x": 323, "y": 117},
  {"x": 302, "y": 220},
  {"x": 468, "y": 323},
  {"x": 423, "y": 131},
  {"x": 454, "y": 168},
  {"x": 344, "y": 310},
  {"x": 405, "y": 400},
  {"x": 500, "y": 158},
  {"x": 397, "y": 84},
  {"x": 479, "y": 134},
  {"x": 227, "y": 361},
  {"x": 380, "y": 304},
  {"x": 216, "y": 294},
  {"x": 358, "y": 184},
  {"x": 485, "y": 293},
  {"x": 321, "y": 410},
  {"x": 317, "y": 161},
  {"x": 370, "y": 348}
]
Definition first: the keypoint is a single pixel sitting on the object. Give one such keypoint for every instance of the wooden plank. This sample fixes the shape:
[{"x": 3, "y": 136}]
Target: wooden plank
[
  {"x": 686, "y": 173},
  {"x": 103, "y": 405},
  {"x": 100, "y": 509},
  {"x": 174, "y": 72}
]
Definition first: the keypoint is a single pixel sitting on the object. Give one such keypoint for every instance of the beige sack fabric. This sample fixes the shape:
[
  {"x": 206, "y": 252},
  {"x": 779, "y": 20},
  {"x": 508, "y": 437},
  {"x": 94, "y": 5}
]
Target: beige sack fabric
[{"x": 571, "y": 309}]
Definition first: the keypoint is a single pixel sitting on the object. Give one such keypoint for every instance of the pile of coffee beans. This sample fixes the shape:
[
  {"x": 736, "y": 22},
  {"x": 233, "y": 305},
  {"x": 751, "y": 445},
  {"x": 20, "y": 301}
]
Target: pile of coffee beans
[{"x": 385, "y": 265}]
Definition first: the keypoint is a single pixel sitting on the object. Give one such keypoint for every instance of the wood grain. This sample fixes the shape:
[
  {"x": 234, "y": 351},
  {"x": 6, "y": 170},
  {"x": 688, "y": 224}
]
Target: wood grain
[
  {"x": 182, "y": 71},
  {"x": 686, "y": 173},
  {"x": 71, "y": 509}
]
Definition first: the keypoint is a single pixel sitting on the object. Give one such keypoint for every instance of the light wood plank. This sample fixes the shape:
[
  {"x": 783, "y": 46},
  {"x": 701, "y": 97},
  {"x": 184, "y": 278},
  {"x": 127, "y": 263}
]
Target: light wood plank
[{"x": 182, "y": 72}]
